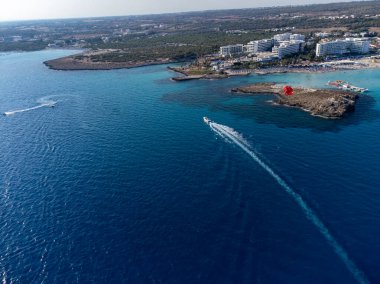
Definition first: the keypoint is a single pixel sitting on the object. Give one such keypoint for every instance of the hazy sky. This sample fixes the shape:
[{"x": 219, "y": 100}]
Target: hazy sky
[{"x": 42, "y": 9}]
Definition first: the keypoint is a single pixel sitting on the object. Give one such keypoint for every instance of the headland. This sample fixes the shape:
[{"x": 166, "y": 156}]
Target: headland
[{"x": 89, "y": 60}]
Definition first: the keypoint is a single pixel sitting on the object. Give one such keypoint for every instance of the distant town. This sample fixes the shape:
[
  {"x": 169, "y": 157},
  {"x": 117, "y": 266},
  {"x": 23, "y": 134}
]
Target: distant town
[
  {"x": 282, "y": 45},
  {"x": 289, "y": 52},
  {"x": 287, "y": 45}
]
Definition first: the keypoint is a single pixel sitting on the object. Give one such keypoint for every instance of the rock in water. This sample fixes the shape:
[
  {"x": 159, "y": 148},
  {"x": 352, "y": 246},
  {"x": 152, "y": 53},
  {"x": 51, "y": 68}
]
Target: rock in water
[{"x": 322, "y": 102}]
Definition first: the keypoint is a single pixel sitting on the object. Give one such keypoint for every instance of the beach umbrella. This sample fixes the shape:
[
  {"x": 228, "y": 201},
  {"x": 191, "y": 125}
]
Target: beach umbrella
[{"x": 288, "y": 90}]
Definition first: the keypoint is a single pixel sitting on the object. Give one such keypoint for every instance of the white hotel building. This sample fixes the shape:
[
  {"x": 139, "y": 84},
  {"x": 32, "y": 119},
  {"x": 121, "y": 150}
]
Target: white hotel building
[
  {"x": 229, "y": 50},
  {"x": 282, "y": 37},
  {"x": 259, "y": 45},
  {"x": 288, "y": 48},
  {"x": 297, "y": 37},
  {"x": 288, "y": 37},
  {"x": 280, "y": 45},
  {"x": 343, "y": 46}
]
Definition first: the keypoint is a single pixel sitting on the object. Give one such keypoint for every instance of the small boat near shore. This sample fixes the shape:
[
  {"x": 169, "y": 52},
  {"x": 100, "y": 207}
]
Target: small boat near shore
[
  {"x": 206, "y": 120},
  {"x": 340, "y": 84}
]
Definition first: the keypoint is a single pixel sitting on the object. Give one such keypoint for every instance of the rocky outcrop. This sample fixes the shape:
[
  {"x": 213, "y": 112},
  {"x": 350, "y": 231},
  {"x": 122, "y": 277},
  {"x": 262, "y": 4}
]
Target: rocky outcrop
[
  {"x": 322, "y": 102},
  {"x": 74, "y": 63},
  {"x": 198, "y": 77},
  {"x": 188, "y": 75}
]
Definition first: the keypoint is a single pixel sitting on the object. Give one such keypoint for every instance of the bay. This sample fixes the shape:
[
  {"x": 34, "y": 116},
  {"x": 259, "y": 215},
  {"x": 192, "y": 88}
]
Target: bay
[{"x": 122, "y": 182}]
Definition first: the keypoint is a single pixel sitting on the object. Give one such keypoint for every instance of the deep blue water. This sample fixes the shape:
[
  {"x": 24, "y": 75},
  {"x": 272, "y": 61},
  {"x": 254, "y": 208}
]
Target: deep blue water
[{"x": 122, "y": 182}]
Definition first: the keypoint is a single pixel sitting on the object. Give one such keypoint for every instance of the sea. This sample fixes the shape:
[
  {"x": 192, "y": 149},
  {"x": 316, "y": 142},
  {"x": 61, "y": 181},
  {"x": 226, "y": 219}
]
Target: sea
[{"x": 113, "y": 177}]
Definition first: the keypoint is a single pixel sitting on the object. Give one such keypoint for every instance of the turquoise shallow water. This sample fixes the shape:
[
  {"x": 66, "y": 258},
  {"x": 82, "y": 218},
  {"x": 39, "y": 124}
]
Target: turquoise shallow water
[{"x": 123, "y": 182}]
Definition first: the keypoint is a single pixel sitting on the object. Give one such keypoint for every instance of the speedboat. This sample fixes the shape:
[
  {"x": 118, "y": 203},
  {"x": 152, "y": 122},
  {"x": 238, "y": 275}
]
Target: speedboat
[
  {"x": 51, "y": 104},
  {"x": 206, "y": 120}
]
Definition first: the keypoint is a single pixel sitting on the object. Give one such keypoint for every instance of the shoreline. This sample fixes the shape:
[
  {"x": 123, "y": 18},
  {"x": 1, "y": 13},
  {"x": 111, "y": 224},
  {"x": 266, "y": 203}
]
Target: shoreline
[
  {"x": 326, "y": 67},
  {"x": 82, "y": 61},
  {"x": 72, "y": 63},
  {"x": 68, "y": 64}
]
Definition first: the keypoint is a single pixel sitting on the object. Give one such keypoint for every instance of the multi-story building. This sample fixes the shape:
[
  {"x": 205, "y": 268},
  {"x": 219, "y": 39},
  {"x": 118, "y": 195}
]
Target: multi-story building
[
  {"x": 259, "y": 45},
  {"x": 280, "y": 45},
  {"x": 337, "y": 47},
  {"x": 297, "y": 37},
  {"x": 229, "y": 50},
  {"x": 322, "y": 34},
  {"x": 282, "y": 37},
  {"x": 343, "y": 46},
  {"x": 288, "y": 48},
  {"x": 359, "y": 45}
]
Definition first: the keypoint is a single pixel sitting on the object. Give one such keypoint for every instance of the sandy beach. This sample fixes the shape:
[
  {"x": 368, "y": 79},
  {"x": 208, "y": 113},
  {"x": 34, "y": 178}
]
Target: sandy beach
[{"x": 329, "y": 66}]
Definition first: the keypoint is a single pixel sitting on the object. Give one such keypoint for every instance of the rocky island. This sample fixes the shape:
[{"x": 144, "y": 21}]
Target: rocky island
[{"x": 326, "y": 103}]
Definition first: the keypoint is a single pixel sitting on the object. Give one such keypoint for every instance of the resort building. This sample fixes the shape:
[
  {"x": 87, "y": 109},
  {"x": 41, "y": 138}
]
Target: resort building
[
  {"x": 322, "y": 34},
  {"x": 279, "y": 46},
  {"x": 288, "y": 48},
  {"x": 259, "y": 45},
  {"x": 359, "y": 45},
  {"x": 343, "y": 46},
  {"x": 282, "y": 37},
  {"x": 297, "y": 37},
  {"x": 229, "y": 50}
]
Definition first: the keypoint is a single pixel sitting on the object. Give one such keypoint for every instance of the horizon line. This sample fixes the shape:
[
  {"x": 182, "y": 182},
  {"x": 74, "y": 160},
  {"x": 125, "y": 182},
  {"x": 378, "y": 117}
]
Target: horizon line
[{"x": 176, "y": 12}]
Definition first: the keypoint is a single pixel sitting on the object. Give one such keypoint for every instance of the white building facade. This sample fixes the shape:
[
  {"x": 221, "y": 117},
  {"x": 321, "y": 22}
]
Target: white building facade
[
  {"x": 259, "y": 45},
  {"x": 343, "y": 46},
  {"x": 280, "y": 45},
  {"x": 282, "y": 37},
  {"x": 229, "y": 50},
  {"x": 297, "y": 37},
  {"x": 359, "y": 45},
  {"x": 288, "y": 48}
]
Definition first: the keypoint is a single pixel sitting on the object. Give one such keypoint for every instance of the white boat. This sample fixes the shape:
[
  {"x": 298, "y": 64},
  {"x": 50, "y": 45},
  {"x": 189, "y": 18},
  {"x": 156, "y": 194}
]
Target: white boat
[
  {"x": 346, "y": 86},
  {"x": 206, "y": 120}
]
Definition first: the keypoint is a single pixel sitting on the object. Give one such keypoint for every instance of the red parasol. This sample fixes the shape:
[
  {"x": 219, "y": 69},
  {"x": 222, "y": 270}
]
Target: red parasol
[{"x": 288, "y": 90}]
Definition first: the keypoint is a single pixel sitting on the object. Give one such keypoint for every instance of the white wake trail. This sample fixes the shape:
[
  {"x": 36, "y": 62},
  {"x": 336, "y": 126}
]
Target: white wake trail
[
  {"x": 42, "y": 104},
  {"x": 231, "y": 135}
]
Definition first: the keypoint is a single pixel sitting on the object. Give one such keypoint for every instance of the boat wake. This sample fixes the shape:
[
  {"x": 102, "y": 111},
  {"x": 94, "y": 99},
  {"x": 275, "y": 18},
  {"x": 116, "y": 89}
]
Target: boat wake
[
  {"x": 237, "y": 139},
  {"x": 42, "y": 102}
]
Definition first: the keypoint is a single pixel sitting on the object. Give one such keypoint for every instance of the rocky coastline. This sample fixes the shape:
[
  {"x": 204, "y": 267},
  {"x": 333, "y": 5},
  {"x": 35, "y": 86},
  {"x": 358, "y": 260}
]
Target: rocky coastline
[
  {"x": 72, "y": 63},
  {"x": 187, "y": 76},
  {"x": 198, "y": 77},
  {"x": 108, "y": 59},
  {"x": 325, "y": 103}
]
